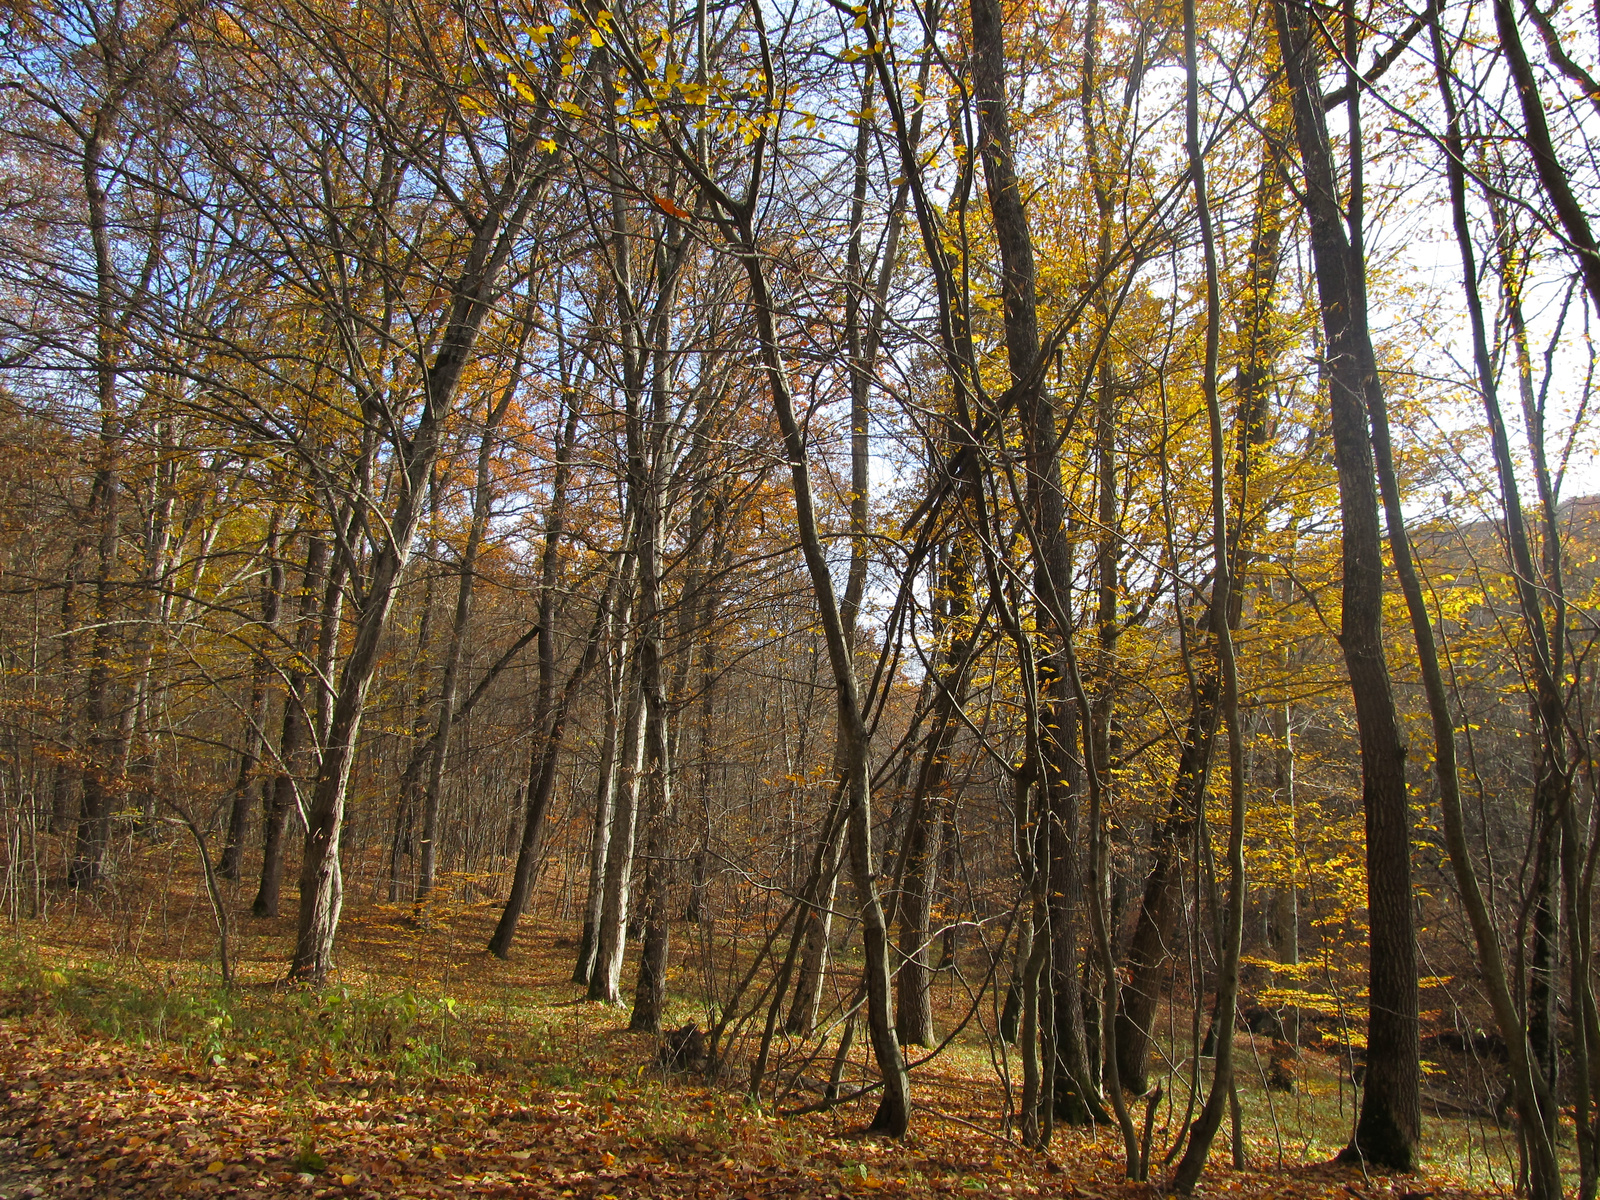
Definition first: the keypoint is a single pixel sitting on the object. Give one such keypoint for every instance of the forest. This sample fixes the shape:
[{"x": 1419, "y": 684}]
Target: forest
[{"x": 996, "y": 580}]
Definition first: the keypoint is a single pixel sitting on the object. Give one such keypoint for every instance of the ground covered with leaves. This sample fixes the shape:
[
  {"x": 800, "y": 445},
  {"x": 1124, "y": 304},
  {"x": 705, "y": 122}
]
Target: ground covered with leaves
[
  {"x": 84, "y": 1117},
  {"x": 430, "y": 1069}
]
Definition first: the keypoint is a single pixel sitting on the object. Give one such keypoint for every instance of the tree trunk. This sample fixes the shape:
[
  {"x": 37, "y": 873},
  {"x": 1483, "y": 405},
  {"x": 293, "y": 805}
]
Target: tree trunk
[
  {"x": 542, "y": 762},
  {"x": 617, "y": 685},
  {"x": 650, "y": 991},
  {"x": 439, "y": 750},
  {"x": 605, "y": 980},
  {"x": 894, "y": 1108},
  {"x": 816, "y": 928},
  {"x": 102, "y": 746},
  {"x": 280, "y": 795},
  {"x": 1231, "y": 932},
  {"x": 1390, "y": 1122},
  {"x": 924, "y": 847},
  {"x": 255, "y": 713},
  {"x": 1156, "y": 927}
]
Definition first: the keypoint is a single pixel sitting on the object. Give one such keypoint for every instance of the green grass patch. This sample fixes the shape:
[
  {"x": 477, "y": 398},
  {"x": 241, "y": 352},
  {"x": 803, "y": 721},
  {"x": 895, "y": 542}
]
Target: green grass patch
[{"x": 334, "y": 1032}]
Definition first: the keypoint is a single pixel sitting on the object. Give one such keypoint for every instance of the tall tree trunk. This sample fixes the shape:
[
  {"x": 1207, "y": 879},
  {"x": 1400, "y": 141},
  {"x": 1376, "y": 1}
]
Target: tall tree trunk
[
  {"x": 1223, "y": 1089},
  {"x": 1390, "y": 1123},
  {"x": 545, "y": 756},
  {"x": 102, "y": 746},
  {"x": 280, "y": 795},
  {"x": 894, "y": 1109},
  {"x": 495, "y": 234},
  {"x": 403, "y": 841},
  {"x": 605, "y": 980},
  {"x": 1532, "y": 1086},
  {"x": 1061, "y": 702},
  {"x": 650, "y": 991},
  {"x": 69, "y": 766},
  {"x": 1075, "y": 1096},
  {"x": 1156, "y": 927},
  {"x": 862, "y": 332},
  {"x": 617, "y": 685},
  {"x": 450, "y": 683},
  {"x": 650, "y": 449},
  {"x": 815, "y": 927},
  {"x": 1576, "y": 880},
  {"x": 255, "y": 711}
]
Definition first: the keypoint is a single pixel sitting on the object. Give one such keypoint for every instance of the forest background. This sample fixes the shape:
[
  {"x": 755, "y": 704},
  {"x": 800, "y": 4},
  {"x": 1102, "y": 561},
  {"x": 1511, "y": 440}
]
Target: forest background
[{"x": 1079, "y": 505}]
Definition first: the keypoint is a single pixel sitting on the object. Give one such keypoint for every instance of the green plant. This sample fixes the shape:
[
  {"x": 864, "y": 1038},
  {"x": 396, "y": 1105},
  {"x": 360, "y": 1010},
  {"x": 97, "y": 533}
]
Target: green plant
[
  {"x": 306, "y": 1159},
  {"x": 560, "y": 1078},
  {"x": 402, "y": 1032}
]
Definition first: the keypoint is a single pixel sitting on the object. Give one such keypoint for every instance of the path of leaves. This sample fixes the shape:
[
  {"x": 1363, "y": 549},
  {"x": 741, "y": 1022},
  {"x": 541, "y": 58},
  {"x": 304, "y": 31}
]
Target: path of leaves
[{"x": 86, "y": 1118}]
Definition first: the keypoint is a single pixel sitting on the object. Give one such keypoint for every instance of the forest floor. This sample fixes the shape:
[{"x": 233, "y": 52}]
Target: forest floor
[{"x": 431, "y": 1069}]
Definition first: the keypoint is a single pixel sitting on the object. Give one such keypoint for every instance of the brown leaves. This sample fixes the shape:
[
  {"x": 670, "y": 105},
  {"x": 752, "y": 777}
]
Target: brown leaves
[{"x": 570, "y": 1116}]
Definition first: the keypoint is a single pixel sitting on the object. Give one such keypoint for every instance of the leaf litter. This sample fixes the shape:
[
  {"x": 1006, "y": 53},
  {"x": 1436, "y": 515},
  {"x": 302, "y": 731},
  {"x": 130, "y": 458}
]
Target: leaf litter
[
  {"x": 583, "y": 1117},
  {"x": 82, "y": 1117}
]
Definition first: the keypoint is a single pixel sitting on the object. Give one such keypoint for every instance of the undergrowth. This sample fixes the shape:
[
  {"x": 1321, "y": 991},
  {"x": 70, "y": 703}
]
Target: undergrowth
[{"x": 339, "y": 1030}]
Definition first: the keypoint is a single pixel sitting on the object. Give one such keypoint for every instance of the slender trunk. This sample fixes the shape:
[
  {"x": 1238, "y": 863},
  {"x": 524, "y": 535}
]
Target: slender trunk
[
  {"x": 650, "y": 997},
  {"x": 1544, "y": 964},
  {"x": 494, "y": 236},
  {"x": 1223, "y": 1089},
  {"x": 255, "y": 712},
  {"x": 925, "y": 828},
  {"x": 816, "y": 929},
  {"x": 1575, "y": 909},
  {"x": 649, "y": 451},
  {"x": 439, "y": 750},
  {"x": 1532, "y": 1088},
  {"x": 1390, "y": 1123},
  {"x": 541, "y": 787},
  {"x": 862, "y": 329},
  {"x": 605, "y": 791},
  {"x": 279, "y": 796},
  {"x": 1061, "y": 707},
  {"x": 650, "y": 991},
  {"x": 68, "y": 768},
  {"x": 894, "y": 1109},
  {"x": 403, "y": 841},
  {"x": 1156, "y": 927},
  {"x": 1536, "y": 132},
  {"x": 605, "y": 980},
  {"x": 1103, "y": 721},
  {"x": 102, "y": 745}
]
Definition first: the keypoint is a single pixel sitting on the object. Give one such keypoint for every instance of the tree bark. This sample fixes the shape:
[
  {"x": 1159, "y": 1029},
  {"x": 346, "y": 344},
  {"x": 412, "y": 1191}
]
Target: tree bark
[
  {"x": 255, "y": 712},
  {"x": 1391, "y": 1118},
  {"x": 475, "y": 289},
  {"x": 606, "y": 782},
  {"x": 466, "y": 570},
  {"x": 280, "y": 795},
  {"x": 605, "y": 980}
]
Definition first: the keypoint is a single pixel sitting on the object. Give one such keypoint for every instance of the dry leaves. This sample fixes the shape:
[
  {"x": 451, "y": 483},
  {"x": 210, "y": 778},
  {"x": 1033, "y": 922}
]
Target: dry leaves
[{"x": 80, "y": 1118}]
